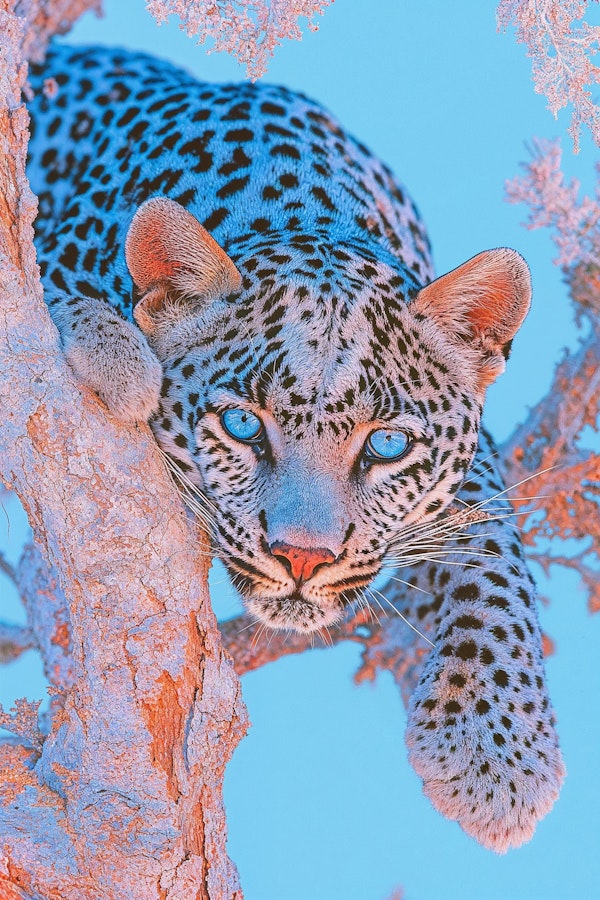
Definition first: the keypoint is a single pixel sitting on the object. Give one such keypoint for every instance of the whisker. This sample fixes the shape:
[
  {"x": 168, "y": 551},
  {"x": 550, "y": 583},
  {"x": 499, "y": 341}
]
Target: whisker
[
  {"x": 374, "y": 591},
  {"x": 194, "y": 505},
  {"x": 376, "y": 600},
  {"x": 248, "y": 626},
  {"x": 270, "y": 637},
  {"x": 257, "y": 635},
  {"x": 516, "y": 485},
  {"x": 434, "y": 547},
  {"x": 368, "y": 607},
  {"x": 449, "y": 527},
  {"x": 436, "y": 559},
  {"x": 360, "y": 602},
  {"x": 325, "y": 636},
  {"x": 410, "y": 585},
  {"x": 471, "y": 513},
  {"x": 186, "y": 482}
]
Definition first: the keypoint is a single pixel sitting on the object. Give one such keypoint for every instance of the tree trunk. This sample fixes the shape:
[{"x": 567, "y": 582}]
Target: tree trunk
[{"x": 123, "y": 798}]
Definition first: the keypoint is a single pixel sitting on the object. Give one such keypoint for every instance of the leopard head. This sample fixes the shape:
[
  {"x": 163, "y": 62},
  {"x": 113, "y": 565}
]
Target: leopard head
[{"x": 320, "y": 404}]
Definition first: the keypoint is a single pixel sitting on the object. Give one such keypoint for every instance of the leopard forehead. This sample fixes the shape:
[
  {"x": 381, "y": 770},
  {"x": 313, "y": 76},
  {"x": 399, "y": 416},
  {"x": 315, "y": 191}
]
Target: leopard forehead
[{"x": 328, "y": 352}]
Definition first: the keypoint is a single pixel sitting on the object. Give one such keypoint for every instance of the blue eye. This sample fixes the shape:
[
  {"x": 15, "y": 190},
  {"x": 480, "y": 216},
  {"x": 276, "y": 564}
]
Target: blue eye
[
  {"x": 387, "y": 445},
  {"x": 242, "y": 425}
]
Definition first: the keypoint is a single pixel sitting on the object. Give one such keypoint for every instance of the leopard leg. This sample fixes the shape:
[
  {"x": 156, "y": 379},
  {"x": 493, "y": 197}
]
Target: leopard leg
[{"x": 481, "y": 729}]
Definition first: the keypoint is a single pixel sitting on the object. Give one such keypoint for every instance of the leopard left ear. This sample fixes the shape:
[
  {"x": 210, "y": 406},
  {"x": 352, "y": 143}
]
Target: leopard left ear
[
  {"x": 480, "y": 306},
  {"x": 170, "y": 255}
]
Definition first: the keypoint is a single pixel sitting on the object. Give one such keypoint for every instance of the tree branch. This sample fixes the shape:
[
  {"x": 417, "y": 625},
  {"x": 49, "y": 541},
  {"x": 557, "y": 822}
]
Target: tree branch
[{"x": 125, "y": 798}]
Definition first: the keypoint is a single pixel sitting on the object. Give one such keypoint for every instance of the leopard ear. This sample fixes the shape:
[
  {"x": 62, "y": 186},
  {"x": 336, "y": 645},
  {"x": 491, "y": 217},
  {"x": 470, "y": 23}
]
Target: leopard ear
[
  {"x": 171, "y": 255},
  {"x": 481, "y": 306}
]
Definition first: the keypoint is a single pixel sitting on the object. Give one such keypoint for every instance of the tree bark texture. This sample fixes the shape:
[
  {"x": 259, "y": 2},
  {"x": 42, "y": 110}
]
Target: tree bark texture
[{"x": 122, "y": 799}]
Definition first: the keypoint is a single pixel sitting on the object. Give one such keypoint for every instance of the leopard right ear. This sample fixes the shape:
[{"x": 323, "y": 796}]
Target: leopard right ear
[
  {"x": 480, "y": 306},
  {"x": 170, "y": 255}
]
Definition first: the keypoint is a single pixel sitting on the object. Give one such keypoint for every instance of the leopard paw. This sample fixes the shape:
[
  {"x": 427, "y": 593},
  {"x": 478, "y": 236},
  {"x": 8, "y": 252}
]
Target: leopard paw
[{"x": 112, "y": 357}]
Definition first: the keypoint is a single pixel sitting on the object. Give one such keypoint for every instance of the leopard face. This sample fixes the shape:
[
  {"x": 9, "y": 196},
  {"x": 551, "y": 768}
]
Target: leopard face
[{"x": 319, "y": 417}]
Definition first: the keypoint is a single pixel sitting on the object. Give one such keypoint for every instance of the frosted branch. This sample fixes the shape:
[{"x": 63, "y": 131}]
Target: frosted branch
[
  {"x": 248, "y": 29},
  {"x": 23, "y": 721},
  {"x": 551, "y": 440},
  {"x": 555, "y": 203},
  {"x": 561, "y": 52}
]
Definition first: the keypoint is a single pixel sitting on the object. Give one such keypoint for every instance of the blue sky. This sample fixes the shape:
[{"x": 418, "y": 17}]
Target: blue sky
[{"x": 322, "y": 802}]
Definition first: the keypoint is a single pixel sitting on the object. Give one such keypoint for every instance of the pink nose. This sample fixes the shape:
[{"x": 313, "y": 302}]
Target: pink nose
[{"x": 300, "y": 561}]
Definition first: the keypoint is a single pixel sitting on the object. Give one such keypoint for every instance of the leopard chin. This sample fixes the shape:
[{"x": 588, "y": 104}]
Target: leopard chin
[{"x": 295, "y": 612}]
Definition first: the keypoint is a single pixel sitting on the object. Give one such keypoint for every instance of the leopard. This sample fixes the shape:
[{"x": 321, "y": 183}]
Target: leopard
[{"x": 227, "y": 263}]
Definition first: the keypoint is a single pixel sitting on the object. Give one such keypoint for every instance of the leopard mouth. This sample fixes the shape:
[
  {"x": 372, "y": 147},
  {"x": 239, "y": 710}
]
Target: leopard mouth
[{"x": 304, "y": 609}]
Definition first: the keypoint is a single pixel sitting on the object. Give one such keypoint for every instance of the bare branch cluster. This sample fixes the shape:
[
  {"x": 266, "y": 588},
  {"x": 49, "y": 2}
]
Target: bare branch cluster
[
  {"x": 561, "y": 52},
  {"x": 248, "y": 29},
  {"x": 552, "y": 439}
]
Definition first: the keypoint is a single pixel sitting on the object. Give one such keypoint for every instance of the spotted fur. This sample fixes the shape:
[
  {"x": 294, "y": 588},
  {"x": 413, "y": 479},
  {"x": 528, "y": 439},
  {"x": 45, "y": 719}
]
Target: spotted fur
[{"x": 312, "y": 307}]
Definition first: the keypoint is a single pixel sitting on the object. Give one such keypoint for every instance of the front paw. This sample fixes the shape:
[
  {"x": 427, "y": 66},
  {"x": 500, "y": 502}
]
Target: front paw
[
  {"x": 482, "y": 739},
  {"x": 112, "y": 357}
]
